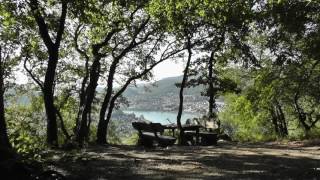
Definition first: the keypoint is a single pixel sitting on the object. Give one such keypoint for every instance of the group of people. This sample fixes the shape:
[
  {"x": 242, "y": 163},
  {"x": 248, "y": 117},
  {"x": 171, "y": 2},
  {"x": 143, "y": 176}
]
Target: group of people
[{"x": 205, "y": 121}]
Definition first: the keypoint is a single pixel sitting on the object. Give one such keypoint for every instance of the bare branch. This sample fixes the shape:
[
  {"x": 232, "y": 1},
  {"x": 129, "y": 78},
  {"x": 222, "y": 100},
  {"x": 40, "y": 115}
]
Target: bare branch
[
  {"x": 98, "y": 46},
  {"x": 75, "y": 39},
  {"x": 34, "y": 78}
]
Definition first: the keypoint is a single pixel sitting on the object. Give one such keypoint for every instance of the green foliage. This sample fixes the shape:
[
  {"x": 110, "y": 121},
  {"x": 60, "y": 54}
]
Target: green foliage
[
  {"x": 113, "y": 137},
  {"x": 281, "y": 36},
  {"x": 242, "y": 123},
  {"x": 131, "y": 140},
  {"x": 26, "y": 127}
]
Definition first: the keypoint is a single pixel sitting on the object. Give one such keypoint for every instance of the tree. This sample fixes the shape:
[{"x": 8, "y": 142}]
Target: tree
[
  {"x": 4, "y": 140},
  {"x": 293, "y": 43},
  {"x": 9, "y": 33},
  {"x": 147, "y": 62},
  {"x": 134, "y": 41},
  {"x": 52, "y": 44},
  {"x": 282, "y": 43},
  {"x": 100, "y": 41}
]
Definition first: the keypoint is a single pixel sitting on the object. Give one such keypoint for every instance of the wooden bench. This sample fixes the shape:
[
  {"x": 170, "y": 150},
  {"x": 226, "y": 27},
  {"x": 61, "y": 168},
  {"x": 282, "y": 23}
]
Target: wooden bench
[{"x": 150, "y": 133}]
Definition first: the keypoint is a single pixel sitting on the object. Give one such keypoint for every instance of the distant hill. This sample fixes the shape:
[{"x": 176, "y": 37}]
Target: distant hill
[
  {"x": 160, "y": 88},
  {"x": 163, "y": 95}
]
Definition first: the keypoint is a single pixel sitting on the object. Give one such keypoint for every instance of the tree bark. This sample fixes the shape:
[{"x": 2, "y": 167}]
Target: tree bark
[
  {"x": 301, "y": 115},
  {"x": 83, "y": 130},
  {"x": 48, "y": 93},
  {"x": 53, "y": 52},
  {"x": 183, "y": 84},
  {"x": 282, "y": 120},
  {"x": 119, "y": 93},
  {"x": 212, "y": 103},
  {"x": 82, "y": 93},
  {"x": 213, "y": 79},
  {"x": 4, "y": 140},
  {"x": 274, "y": 121},
  {"x": 87, "y": 94},
  {"x": 103, "y": 123}
]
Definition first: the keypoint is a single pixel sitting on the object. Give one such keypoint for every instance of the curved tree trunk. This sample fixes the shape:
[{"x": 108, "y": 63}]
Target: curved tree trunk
[
  {"x": 301, "y": 115},
  {"x": 82, "y": 131},
  {"x": 53, "y": 52},
  {"x": 181, "y": 139},
  {"x": 103, "y": 124},
  {"x": 128, "y": 82},
  {"x": 87, "y": 94}
]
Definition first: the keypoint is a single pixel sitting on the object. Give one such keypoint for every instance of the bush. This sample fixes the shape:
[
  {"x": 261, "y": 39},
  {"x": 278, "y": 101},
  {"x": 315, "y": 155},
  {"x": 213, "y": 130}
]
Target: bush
[
  {"x": 133, "y": 140},
  {"x": 26, "y": 130},
  {"x": 240, "y": 122}
]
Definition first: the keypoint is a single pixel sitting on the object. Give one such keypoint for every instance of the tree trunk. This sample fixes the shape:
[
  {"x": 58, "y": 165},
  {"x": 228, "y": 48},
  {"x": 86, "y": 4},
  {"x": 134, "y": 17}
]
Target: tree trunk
[
  {"x": 82, "y": 97},
  {"x": 212, "y": 103},
  {"x": 87, "y": 94},
  {"x": 183, "y": 84},
  {"x": 108, "y": 118},
  {"x": 53, "y": 51},
  {"x": 301, "y": 115},
  {"x": 279, "y": 120},
  {"x": 212, "y": 91},
  {"x": 282, "y": 120},
  {"x": 48, "y": 92},
  {"x": 4, "y": 140},
  {"x": 123, "y": 88},
  {"x": 213, "y": 79},
  {"x": 274, "y": 121},
  {"x": 112, "y": 104},
  {"x": 103, "y": 123},
  {"x": 82, "y": 131}
]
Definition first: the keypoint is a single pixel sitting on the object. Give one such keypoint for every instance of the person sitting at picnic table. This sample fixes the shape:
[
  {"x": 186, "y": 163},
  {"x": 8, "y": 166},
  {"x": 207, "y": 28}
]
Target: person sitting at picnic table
[{"x": 193, "y": 121}]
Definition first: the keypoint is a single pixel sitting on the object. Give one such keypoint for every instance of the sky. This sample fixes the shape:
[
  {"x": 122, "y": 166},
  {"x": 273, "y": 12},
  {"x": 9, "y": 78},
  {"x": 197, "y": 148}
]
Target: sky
[{"x": 168, "y": 69}]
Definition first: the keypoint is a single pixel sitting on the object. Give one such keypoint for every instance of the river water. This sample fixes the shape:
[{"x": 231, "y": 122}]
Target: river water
[{"x": 162, "y": 116}]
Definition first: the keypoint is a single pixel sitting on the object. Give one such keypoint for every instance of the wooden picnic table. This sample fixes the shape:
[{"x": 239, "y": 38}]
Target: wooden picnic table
[
  {"x": 171, "y": 127},
  {"x": 192, "y": 130}
]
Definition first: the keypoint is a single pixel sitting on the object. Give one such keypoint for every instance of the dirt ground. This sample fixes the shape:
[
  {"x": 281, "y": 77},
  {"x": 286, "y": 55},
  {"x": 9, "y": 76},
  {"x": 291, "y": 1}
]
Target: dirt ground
[{"x": 294, "y": 160}]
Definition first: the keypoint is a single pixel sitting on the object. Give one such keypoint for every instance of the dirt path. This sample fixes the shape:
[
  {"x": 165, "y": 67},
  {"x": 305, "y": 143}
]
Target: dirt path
[{"x": 225, "y": 161}]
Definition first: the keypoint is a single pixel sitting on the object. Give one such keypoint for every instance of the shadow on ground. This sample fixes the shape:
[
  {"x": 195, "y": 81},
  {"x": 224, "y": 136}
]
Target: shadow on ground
[{"x": 258, "y": 161}]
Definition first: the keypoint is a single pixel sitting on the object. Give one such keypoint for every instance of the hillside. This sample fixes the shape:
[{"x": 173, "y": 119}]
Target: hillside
[
  {"x": 161, "y": 88},
  {"x": 163, "y": 95}
]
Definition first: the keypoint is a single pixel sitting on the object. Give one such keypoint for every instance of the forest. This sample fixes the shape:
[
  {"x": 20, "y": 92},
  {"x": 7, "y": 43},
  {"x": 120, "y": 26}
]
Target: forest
[{"x": 262, "y": 57}]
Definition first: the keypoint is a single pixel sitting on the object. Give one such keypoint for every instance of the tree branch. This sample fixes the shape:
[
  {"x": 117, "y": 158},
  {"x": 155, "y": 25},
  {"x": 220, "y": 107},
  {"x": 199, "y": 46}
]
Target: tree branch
[
  {"x": 62, "y": 22},
  {"x": 34, "y": 78},
  {"x": 43, "y": 28},
  {"x": 75, "y": 39}
]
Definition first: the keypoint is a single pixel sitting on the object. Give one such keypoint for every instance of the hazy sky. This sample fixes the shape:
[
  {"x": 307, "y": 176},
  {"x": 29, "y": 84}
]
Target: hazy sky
[{"x": 168, "y": 69}]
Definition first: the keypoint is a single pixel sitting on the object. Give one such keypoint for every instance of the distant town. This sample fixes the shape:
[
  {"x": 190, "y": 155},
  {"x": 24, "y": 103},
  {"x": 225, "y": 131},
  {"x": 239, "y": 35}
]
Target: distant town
[{"x": 164, "y": 96}]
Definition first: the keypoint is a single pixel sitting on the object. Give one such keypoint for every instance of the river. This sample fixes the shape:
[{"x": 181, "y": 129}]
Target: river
[{"x": 162, "y": 116}]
